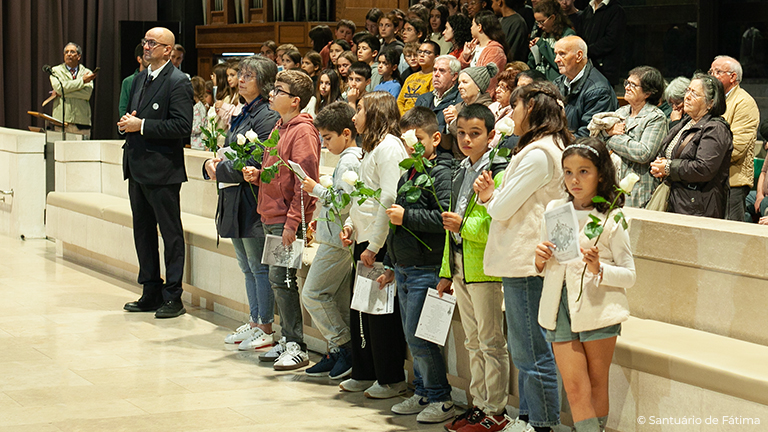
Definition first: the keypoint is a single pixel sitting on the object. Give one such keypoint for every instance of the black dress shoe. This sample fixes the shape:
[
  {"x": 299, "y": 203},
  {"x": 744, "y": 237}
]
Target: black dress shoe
[
  {"x": 171, "y": 309},
  {"x": 140, "y": 306}
]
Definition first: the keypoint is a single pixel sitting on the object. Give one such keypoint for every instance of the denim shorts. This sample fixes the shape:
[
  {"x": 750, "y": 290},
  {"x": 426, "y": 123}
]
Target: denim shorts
[{"x": 563, "y": 333}]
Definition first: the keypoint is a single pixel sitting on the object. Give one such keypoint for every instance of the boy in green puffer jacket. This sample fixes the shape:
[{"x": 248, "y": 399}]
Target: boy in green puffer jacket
[{"x": 479, "y": 297}]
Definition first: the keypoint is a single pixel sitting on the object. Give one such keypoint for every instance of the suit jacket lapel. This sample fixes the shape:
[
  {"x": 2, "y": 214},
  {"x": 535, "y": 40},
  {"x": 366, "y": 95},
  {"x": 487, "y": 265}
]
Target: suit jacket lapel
[{"x": 155, "y": 85}]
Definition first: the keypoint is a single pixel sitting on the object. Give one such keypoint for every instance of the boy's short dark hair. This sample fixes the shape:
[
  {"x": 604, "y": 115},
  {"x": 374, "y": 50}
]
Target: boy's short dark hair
[
  {"x": 348, "y": 24},
  {"x": 299, "y": 84},
  {"x": 357, "y": 37},
  {"x": 372, "y": 41},
  {"x": 361, "y": 68},
  {"x": 419, "y": 117},
  {"x": 336, "y": 117},
  {"x": 481, "y": 112},
  {"x": 435, "y": 47}
]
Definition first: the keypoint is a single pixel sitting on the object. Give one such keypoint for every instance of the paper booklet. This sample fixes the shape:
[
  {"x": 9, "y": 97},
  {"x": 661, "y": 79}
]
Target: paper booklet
[
  {"x": 275, "y": 254},
  {"x": 298, "y": 170},
  {"x": 435, "y": 318},
  {"x": 367, "y": 297},
  {"x": 562, "y": 228}
]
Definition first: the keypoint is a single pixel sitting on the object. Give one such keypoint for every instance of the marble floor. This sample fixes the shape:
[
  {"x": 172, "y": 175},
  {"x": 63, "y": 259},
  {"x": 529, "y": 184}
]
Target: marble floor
[{"x": 72, "y": 360}]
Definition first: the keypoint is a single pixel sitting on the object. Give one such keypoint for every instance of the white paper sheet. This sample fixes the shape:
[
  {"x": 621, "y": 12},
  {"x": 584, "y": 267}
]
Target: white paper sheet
[
  {"x": 275, "y": 254},
  {"x": 435, "y": 318},
  {"x": 367, "y": 296},
  {"x": 298, "y": 169},
  {"x": 562, "y": 228}
]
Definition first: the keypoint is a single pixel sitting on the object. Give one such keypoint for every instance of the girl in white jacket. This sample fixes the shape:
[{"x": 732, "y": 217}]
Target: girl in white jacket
[{"x": 583, "y": 330}]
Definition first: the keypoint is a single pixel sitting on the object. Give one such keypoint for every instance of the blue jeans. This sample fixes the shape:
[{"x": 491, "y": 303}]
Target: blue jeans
[
  {"x": 430, "y": 378},
  {"x": 261, "y": 299},
  {"x": 283, "y": 281},
  {"x": 530, "y": 352}
]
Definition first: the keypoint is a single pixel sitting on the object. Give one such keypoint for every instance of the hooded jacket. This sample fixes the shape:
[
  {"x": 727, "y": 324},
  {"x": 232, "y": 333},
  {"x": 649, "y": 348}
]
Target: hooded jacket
[{"x": 279, "y": 200}]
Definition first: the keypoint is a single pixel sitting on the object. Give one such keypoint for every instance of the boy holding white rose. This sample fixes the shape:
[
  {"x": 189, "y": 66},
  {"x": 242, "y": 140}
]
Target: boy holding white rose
[{"x": 326, "y": 292}]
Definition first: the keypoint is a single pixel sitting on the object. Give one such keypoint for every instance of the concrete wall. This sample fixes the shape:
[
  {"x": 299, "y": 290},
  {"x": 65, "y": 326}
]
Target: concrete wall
[{"x": 23, "y": 172}]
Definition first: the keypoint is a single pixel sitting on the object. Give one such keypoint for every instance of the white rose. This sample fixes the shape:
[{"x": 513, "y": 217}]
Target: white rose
[
  {"x": 628, "y": 183},
  {"x": 505, "y": 126},
  {"x": 252, "y": 136},
  {"x": 326, "y": 181},
  {"x": 212, "y": 113},
  {"x": 241, "y": 139},
  {"x": 410, "y": 138},
  {"x": 350, "y": 177}
]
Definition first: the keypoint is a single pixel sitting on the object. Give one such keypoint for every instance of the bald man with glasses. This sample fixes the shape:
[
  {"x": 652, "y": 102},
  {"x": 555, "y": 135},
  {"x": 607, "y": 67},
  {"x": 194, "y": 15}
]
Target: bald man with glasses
[{"x": 158, "y": 117}]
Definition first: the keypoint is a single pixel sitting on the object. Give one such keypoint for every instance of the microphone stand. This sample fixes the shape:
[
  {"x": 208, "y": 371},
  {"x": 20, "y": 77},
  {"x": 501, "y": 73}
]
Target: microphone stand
[{"x": 63, "y": 109}]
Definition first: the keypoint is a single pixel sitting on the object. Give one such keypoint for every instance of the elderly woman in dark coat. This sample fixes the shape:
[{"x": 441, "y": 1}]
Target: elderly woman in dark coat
[
  {"x": 236, "y": 216},
  {"x": 697, "y": 152}
]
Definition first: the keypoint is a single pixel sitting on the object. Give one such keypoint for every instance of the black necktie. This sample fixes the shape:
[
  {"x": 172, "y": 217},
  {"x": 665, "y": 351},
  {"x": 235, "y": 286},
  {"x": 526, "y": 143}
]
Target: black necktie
[{"x": 144, "y": 89}]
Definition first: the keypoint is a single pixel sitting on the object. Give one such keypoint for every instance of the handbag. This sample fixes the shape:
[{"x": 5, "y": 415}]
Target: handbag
[{"x": 660, "y": 198}]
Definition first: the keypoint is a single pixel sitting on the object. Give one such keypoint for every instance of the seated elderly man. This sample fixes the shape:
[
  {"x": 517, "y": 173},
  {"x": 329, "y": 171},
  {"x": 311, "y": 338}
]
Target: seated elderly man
[
  {"x": 742, "y": 114},
  {"x": 586, "y": 91}
]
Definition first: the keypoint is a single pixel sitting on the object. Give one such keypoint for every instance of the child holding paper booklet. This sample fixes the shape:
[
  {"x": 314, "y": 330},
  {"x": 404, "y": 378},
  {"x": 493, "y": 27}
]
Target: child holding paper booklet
[
  {"x": 284, "y": 206},
  {"x": 478, "y": 296},
  {"x": 583, "y": 330},
  {"x": 415, "y": 266},
  {"x": 378, "y": 345}
]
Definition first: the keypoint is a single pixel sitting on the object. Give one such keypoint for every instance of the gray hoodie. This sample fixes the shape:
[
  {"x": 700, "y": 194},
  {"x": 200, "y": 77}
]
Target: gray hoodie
[{"x": 328, "y": 232}]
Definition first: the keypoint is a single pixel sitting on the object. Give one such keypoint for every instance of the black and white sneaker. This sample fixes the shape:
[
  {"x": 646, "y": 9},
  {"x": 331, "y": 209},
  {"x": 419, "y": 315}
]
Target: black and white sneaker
[
  {"x": 292, "y": 358},
  {"x": 275, "y": 353}
]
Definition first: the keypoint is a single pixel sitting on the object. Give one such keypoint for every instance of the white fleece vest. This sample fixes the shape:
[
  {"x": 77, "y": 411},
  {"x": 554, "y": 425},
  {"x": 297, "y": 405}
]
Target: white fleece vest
[{"x": 511, "y": 246}]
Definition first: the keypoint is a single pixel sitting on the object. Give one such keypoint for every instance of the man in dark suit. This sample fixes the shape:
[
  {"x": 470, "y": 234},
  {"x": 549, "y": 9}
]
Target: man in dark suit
[
  {"x": 159, "y": 117},
  {"x": 445, "y": 74}
]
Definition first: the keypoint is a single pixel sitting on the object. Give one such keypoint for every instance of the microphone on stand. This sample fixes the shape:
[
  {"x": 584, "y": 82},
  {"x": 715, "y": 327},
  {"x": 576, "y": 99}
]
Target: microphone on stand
[{"x": 48, "y": 69}]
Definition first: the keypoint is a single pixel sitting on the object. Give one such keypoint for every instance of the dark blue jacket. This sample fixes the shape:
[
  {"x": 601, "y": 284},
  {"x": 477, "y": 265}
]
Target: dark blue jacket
[{"x": 590, "y": 95}]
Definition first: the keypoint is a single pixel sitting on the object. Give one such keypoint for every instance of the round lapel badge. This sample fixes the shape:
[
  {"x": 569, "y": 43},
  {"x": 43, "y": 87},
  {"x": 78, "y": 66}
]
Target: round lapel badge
[{"x": 155, "y": 106}]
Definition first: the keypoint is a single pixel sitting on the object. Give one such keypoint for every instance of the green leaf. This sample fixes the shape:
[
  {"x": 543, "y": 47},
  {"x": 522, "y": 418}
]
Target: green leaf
[
  {"x": 361, "y": 201},
  {"x": 273, "y": 152},
  {"x": 331, "y": 216},
  {"x": 406, "y": 187},
  {"x": 429, "y": 181},
  {"x": 377, "y": 193},
  {"x": 624, "y": 223},
  {"x": 413, "y": 195},
  {"x": 345, "y": 199},
  {"x": 592, "y": 231},
  {"x": 392, "y": 226},
  {"x": 366, "y": 191},
  {"x": 420, "y": 180},
  {"x": 206, "y": 133},
  {"x": 230, "y": 156},
  {"x": 428, "y": 163},
  {"x": 618, "y": 217},
  {"x": 239, "y": 165},
  {"x": 598, "y": 199},
  {"x": 407, "y": 163},
  {"x": 418, "y": 149},
  {"x": 596, "y": 220},
  {"x": 504, "y": 152}
]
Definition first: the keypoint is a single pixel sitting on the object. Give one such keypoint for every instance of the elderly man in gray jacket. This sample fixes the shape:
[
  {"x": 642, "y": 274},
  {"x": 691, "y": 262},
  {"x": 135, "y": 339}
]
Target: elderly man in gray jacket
[{"x": 586, "y": 91}]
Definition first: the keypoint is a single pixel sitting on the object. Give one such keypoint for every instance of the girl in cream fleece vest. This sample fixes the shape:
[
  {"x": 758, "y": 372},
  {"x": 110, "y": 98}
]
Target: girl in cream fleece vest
[
  {"x": 582, "y": 318},
  {"x": 533, "y": 178}
]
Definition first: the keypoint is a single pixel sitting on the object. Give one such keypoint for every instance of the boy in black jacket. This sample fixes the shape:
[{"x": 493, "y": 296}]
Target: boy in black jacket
[{"x": 416, "y": 267}]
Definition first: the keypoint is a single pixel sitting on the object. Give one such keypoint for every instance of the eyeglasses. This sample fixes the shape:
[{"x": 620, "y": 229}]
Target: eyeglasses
[
  {"x": 630, "y": 85},
  {"x": 246, "y": 77},
  {"x": 277, "y": 90},
  {"x": 502, "y": 88},
  {"x": 541, "y": 23},
  {"x": 692, "y": 93},
  {"x": 151, "y": 43},
  {"x": 718, "y": 72},
  {"x": 424, "y": 52}
]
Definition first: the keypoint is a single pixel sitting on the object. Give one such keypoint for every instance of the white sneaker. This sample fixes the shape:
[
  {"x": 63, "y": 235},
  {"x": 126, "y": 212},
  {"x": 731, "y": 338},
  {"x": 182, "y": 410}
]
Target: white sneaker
[
  {"x": 413, "y": 405},
  {"x": 517, "y": 425},
  {"x": 352, "y": 385},
  {"x": 437, "y": 412},
  {"x": 275, "y": 352},
  {"x": 240, "y": 334},
  {"x": 292, "y": 358},
  {"x": 258, "y": 339},
  {"x": 386, "y": 391}
]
